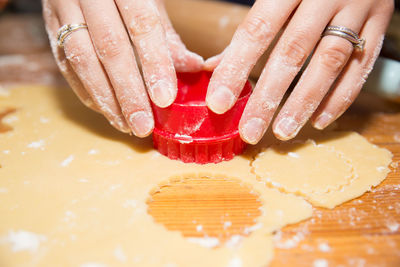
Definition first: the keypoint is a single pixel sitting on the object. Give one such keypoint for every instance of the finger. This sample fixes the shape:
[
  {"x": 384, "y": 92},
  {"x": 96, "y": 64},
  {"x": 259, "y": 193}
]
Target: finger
[
  {"x": 81, "y": 55},
  {"x": 248, "y": 43},
  {"x": 115, "y": 52},
  {"x": 145, "y": 29},
  {"x": 296, "y": 43},
  {"x": 330, "y": 57},
  {"x": 356, "y": 72},
  {"x": 211, "y": 63},
  {"x": 184, "y": 60},
  {"x": 52, "y": 25}
]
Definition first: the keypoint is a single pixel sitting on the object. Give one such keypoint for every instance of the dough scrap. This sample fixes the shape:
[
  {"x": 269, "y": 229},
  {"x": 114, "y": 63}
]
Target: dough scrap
[
  {"x": 73, "y": 191},
  {"x": 370, "y": 167}
]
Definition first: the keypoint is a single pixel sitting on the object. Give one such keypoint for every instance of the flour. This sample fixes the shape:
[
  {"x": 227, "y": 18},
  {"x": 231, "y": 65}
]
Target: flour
[
  {"x": 393, "y": 226},
  {"x": 324, "y": 247},
  {"x": 381, "y": 168},
  {"x": 24, "y": 241},
  {"x": 235, "y": 262},
  {"x": 67, "y": 161},
  {"x": 293, "y": 155},
  {"x": 10, "y": 119},
  {"x": 37, "y": 144},
  {"x": 248, "y": 230},
  {"x": 289, "y": 242},
  {"x": 3, "y": 190},
  {"x": 396, "y": 137},
  {"x": 44, "y": 120},
  {"x": 130, "y": 203},
  {"x": 320, "y": 263},
  {"x": 183, "y": 138},
  {"x": 119, "y": 254},
  {"x": 227, "y": 224},
  {"x": 208, "y": 242},
  {"x": 93, "y": 152},
  {"x": 69, "y": 216},
  {"x": 234, "y": 241}
]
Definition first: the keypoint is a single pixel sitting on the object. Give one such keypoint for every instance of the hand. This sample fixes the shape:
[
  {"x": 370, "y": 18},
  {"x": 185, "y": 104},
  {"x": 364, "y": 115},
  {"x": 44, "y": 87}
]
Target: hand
[
  {"x": 99, "y": 62},
  {"x": 332, "y": 79}
]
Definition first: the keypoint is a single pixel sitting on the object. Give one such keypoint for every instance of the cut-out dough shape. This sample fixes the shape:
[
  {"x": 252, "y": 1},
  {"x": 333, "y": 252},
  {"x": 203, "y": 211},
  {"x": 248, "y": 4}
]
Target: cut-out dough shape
[
  {"x": 304, "y": 167},
  {"x": 73, "y": 191},
  {"x": 312, "y": 173}
]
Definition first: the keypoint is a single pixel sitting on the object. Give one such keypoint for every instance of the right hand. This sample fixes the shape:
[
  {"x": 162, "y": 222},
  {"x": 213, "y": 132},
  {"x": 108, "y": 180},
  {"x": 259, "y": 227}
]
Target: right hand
[{"x": 99, "y": 62}]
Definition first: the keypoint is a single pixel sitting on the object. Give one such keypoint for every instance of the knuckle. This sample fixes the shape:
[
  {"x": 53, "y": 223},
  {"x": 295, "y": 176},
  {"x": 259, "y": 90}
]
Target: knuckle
[
  {"x": 76, "y": 53},
  {"x": 347, "y": 97},
  {"x": 143, "y": 23},
  {"x": 109, "y": 45},
  {"x": 295, "y": 52},
  {"x": 257, "y": 28},
  {"x": 334, "y": 57}
]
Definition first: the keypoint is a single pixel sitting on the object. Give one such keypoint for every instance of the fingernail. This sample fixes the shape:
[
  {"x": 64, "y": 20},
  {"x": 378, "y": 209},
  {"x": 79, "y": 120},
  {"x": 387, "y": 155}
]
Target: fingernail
[
  {"x": 163, "y": 93},
  {"x": 286, "y": 128},
  {"x": 142, "y": 123},
  {"x": 253, "y": 130},
  {"x": 323, "y": 120},
  {"x": 221, "y": 100}
]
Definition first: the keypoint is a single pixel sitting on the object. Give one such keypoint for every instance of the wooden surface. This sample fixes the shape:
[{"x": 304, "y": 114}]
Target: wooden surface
[
  {"x": 201, "y": 207},
  {"x": 362, "y": 232}
]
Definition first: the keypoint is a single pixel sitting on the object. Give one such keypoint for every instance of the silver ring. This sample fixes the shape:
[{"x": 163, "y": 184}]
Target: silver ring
[
  {"x": 347, "y": 34},
  {"x": 66, "y": 30}
]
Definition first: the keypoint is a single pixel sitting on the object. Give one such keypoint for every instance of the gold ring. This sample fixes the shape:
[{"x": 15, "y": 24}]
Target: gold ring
[
  {"x": 66, "y": 30},
  {"x": 347, "y": 34}
]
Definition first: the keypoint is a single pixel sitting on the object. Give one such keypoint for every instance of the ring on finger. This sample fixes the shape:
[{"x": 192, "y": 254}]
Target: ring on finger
[
  {"x": 347, "y": 34},
  {"x": 66, "y": 30}
]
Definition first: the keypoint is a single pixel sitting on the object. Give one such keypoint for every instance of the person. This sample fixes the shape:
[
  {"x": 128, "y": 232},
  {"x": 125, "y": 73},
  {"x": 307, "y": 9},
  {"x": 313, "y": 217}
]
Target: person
[{"x": 93, "y": 42}]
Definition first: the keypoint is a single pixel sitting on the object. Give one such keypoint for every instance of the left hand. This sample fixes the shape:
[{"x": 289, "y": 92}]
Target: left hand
[{"x": 331, "y": 81}]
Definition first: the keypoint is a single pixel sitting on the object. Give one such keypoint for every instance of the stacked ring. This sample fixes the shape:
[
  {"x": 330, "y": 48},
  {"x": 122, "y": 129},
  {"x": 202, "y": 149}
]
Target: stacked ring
[
  {"x": 347, "y": 34},
  {"x": 66, "y": 30}
]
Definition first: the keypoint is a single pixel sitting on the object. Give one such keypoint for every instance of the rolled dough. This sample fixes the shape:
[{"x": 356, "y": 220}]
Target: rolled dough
[{"x": 73, "y": 191}]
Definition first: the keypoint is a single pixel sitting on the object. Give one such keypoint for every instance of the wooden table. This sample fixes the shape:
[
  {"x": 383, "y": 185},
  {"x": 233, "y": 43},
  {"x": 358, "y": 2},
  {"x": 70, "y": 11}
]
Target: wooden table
[{"x": 362, "y": 232}]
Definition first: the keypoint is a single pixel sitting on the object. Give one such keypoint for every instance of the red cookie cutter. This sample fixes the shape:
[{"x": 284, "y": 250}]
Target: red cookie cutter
[{"x": 188, "y": 131}]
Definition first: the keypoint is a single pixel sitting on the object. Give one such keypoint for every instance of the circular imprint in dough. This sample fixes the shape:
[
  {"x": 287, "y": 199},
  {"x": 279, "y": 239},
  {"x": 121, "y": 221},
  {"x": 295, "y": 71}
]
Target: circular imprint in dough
[
  {"x": 209, "y": 207},
  {"x": 304, "y": 167}
]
